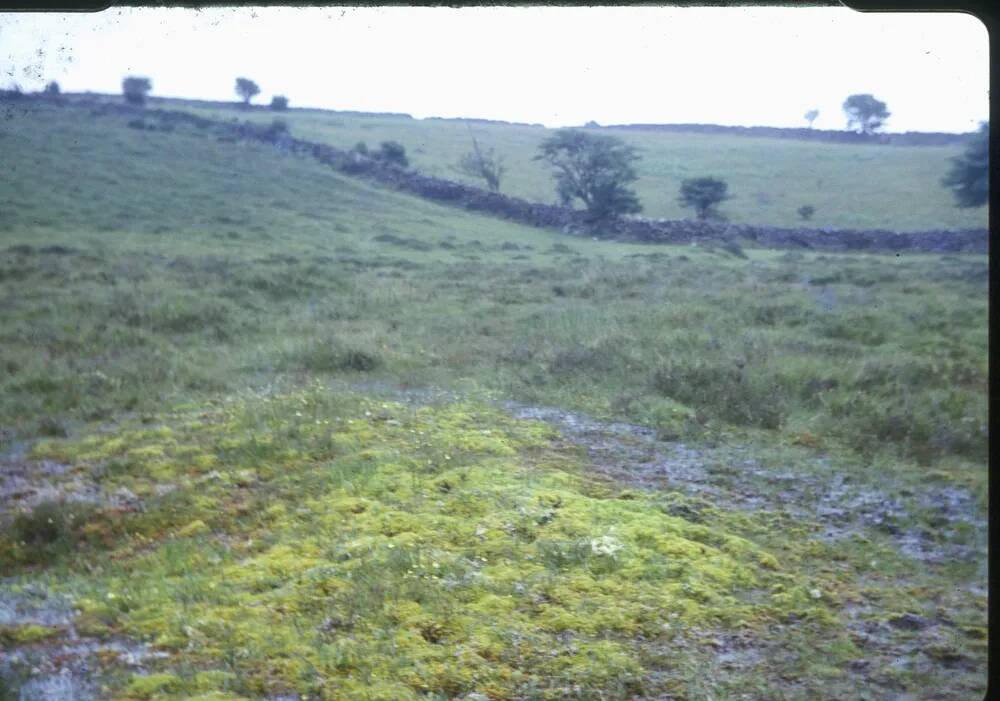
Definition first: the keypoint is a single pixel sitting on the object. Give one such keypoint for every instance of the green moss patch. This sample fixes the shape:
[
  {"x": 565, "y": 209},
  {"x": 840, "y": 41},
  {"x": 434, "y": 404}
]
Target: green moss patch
[{"x": 338, "y": 547}]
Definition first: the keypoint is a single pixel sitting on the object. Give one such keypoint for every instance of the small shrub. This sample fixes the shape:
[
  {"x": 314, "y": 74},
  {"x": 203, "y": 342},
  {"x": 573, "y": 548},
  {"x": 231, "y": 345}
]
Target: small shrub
[
  {"x": 279, "y": 103},
  {"x": 723, "y": 390},
  {"x": 277, "y": 128},
  {"x": 394, "y": 153},
  {"x": 330, "y": 355},
  {"x": 950, "y": 423},
  {"x": 806, "y": 212},
  {"x": 703, "y": 194},
  {"x": 483, "y": 164},
  {"x": 601, "y": 358},
  {"x": 52, "y": 88},
  {"x": 49, "y": 529},
  {"x": 52, "y": 428}
]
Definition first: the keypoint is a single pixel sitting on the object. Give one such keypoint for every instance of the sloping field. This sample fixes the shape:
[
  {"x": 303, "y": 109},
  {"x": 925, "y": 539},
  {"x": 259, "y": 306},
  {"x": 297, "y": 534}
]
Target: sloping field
[
  {"x": 269, "y": 432},
  {"x": 851, "y": 186}
]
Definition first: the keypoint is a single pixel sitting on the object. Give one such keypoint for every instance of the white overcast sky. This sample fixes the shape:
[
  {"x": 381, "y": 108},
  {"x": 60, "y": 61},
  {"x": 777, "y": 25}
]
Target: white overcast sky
[{"x": 555, "y": 65}]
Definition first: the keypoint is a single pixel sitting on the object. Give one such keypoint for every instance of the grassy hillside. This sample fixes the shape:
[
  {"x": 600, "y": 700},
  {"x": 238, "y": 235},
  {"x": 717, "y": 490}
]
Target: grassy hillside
[
  {"x": 851, "y": 186},
  {"x": 277, "y": 395}
]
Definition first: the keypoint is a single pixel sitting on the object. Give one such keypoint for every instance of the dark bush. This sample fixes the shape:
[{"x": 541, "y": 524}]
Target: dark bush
[
  {"x": 602, "y": 358},
  {"x": 135, "y": 89},
  {"x": 950, "y": 423},
  {"x": 806, "y": 212},
  {"x": 704, "y": 194},
  {"x": 277, "y": 128},
  {"x": 393, "y": 152},
  {"x": 727, "y": 391},
  {"x": 969, "y": 177},
  {"x": 331, "y": 355},
  {"x": 48, "y": 530},
  {"x": 279, "y": 103}
]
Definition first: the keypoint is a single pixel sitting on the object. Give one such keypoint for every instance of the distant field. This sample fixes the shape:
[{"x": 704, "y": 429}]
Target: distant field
[
  {"x": 851, "y": 186},
  {"x": 289, "y": 391}
]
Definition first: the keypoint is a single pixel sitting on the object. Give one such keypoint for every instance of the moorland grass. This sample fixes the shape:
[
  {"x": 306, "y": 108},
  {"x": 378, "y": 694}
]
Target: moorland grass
[
  {"x": 874, "y": 353},
  {"x": 192, "y": 321}
]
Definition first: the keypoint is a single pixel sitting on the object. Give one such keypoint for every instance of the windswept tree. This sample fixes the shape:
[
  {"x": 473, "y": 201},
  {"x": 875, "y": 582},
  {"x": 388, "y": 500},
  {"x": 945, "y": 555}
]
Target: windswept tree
[
  {"x": 135, "y": 89},
  {"x": 483, "y": 164},
  {"x": 969, "y": 177},
  {"x": 279, "y": 103},
  {"x": 704, "y": 194},
  {"x": 811, "y": 117},
  {"x": 246, "y": 89},
  {"x": 865, "y": 114},
  {"x": 594, "y": 169}
]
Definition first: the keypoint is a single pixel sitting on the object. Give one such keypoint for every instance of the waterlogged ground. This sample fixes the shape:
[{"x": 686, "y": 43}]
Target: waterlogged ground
[{"x": 392, "y": 544}]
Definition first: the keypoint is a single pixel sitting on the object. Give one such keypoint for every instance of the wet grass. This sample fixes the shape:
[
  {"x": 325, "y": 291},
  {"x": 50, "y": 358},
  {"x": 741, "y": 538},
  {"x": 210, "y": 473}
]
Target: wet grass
[{"x": 165, "y": 298}]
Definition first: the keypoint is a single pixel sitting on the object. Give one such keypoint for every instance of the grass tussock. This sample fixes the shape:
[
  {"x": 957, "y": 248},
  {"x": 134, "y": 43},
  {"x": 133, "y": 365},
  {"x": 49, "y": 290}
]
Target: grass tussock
[{"x": 331, "y": 355}]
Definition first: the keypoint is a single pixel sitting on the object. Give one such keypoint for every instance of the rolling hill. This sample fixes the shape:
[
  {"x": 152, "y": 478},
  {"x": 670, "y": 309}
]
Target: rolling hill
[{"x": 867, "y": 186}]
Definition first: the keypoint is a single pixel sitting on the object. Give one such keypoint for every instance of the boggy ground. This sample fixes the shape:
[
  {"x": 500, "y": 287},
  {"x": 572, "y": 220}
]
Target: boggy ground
[{"x": 337, "y": 544}]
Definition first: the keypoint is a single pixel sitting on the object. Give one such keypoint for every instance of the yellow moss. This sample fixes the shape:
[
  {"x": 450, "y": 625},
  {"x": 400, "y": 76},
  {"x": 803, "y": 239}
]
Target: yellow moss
[
  {"x": 147, "y": 687},
  {"x": 493, "y": 605},
  {"x": 204, "y": 461},
  {"x": 51, "y": 450},
  {"x": 14, "y": 635},
  {"x": 395, "y": 522},
  {"x": 339, "y": 537},
  {"x": 194, "y": 528},
  {"x": 213, "y": 680},
  {"x": 596, "y": 663}
]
